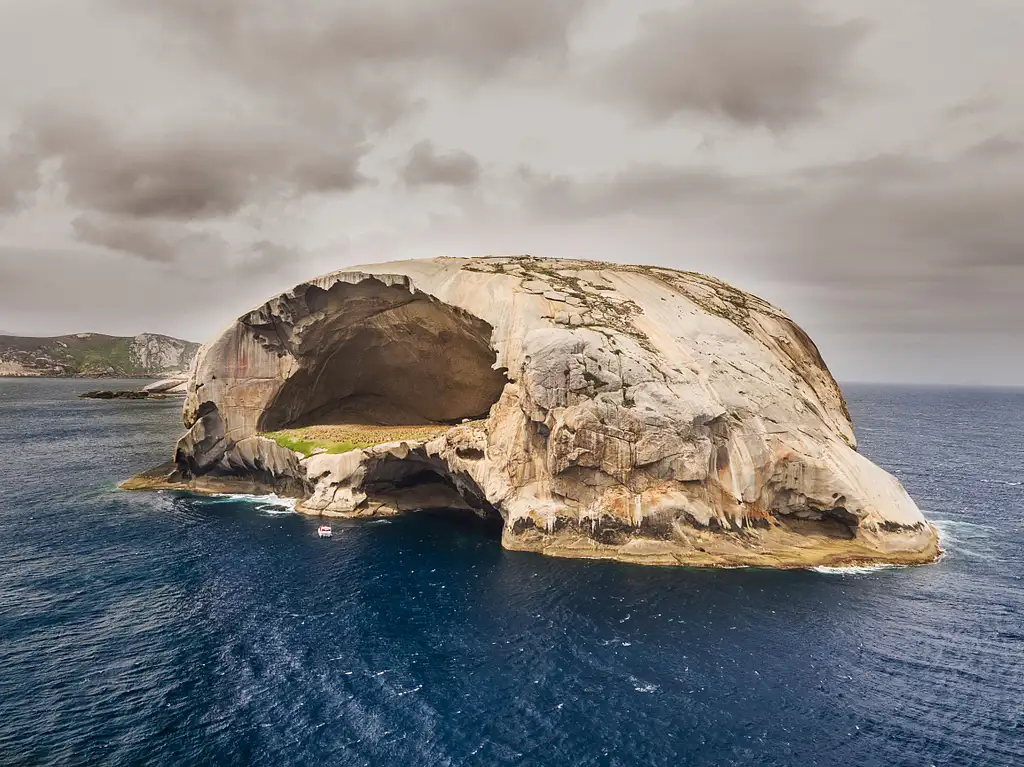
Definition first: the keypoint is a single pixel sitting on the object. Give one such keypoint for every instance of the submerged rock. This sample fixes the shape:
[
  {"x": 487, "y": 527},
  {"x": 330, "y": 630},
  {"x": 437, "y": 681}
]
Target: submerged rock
[
  {"x": 121, "y": 394},
  {"x": 630, "y": 412}
]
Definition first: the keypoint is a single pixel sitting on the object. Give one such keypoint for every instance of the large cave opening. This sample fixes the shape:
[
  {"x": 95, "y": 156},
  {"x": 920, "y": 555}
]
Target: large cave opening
[
  {"x": 378, "y": 354},
  {"x": 378, "y": 362}
]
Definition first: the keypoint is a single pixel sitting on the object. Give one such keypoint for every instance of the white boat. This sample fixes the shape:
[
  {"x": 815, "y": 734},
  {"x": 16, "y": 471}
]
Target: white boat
[{"x": 324, "y": 531}]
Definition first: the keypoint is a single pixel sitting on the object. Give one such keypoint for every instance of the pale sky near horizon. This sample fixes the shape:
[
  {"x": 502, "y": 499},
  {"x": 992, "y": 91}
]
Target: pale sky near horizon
[{"x": 166, "y": 165}]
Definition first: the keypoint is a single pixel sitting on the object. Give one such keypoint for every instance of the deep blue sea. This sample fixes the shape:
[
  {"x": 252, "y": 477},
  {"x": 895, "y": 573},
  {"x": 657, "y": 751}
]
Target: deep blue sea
[{"x": 164, "y": 629}]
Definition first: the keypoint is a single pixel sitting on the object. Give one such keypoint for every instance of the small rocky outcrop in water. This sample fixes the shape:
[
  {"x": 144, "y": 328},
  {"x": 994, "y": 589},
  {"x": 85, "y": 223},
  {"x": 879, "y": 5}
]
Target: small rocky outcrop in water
[
  {"x": 594, "y": 410},
  {"x": 121, "y": 394},
  {"x": 161, "y": 389}
]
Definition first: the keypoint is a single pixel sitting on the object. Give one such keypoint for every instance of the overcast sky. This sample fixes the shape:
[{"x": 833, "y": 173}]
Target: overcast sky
[{"x": 167, "y": 164}]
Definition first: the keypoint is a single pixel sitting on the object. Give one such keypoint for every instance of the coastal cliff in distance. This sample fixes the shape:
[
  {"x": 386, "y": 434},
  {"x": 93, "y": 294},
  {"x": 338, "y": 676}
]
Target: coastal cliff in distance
[
  {"x": 95, "y": 355},
  {"x": 590, "y": 409}
]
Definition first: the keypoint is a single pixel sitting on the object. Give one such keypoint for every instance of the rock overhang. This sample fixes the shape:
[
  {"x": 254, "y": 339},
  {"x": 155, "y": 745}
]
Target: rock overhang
[{"x": 374, "y": 353}]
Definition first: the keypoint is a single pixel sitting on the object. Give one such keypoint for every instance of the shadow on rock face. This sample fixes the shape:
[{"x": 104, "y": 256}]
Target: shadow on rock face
[{"x": 381, "y": 354}]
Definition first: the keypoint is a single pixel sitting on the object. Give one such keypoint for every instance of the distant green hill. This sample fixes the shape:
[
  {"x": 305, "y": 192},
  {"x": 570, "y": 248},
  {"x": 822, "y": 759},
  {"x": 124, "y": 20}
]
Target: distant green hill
[{"x": 95, "y": 354}]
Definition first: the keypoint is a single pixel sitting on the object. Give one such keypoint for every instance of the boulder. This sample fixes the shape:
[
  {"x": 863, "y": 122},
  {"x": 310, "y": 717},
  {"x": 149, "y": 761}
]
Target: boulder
[{"x": 597, "y": 410}]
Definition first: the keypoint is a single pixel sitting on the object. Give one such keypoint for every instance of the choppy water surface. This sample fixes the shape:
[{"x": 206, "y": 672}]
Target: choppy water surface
[{"x": 165, "y": 629}]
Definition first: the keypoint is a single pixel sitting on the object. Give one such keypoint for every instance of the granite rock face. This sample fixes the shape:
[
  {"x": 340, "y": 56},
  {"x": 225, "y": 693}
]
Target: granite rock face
[
  {"x": 155, "y": 353},
  {"x": 597, "y": 410}
]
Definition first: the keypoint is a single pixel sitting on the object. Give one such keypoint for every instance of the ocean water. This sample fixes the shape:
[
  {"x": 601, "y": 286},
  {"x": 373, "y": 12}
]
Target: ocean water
[{"x": 163, "y": 629}]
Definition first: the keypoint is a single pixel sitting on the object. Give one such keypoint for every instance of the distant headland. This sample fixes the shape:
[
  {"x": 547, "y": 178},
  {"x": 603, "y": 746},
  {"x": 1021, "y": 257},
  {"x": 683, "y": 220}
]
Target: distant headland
[{"x": 94, "y": 355}]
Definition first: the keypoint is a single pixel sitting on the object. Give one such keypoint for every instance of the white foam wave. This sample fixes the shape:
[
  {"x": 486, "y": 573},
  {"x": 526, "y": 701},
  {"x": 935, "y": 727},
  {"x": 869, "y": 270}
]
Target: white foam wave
[
  {"x": 950, "y": 524},
  {"x": 268, "y": 504},
  {"x": 641, "y": 686},
  {"x": 854, "y": 569},
  {"x": 963, "y": 537}
]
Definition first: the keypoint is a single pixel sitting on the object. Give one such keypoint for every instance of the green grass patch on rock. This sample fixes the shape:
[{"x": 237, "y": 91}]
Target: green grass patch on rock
[
  {"x": 307, "y": 447},
  {"x": 342, "y": 438}
]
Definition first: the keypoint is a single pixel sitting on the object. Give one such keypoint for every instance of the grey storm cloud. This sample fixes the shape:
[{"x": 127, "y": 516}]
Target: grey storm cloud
[
  {"x": 138, "y": 192},
  {"x": 157, "y": 242},
  {"x": 218, "y": 151},
  {"x": 319, "y": 80},
  {"x": 19, "y": 173},
  {"x": 943, "y": 232},
  {"x": 178, "y": 246},
  {"x": 641, "y": 190},
  {"x": 183, "y": 172},
  {"x": 892, "y": 241},
  {"x": 477, "y": 39},
  {"x": 748, "y": 61},
  {"x": 427, "y": 166},
  {"x": 973, "y": 107},
  {"x": 325, "y": 57}
]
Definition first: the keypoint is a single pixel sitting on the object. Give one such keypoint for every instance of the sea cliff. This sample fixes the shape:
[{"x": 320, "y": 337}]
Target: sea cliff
[{"x": 595, "y": 410}]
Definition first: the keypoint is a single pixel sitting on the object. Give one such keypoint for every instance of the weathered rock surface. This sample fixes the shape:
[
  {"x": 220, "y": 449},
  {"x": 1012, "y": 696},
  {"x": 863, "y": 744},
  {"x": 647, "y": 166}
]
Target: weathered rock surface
[
  {"x": 636, "y": 413},
  {"x": 154, "y": 353}
]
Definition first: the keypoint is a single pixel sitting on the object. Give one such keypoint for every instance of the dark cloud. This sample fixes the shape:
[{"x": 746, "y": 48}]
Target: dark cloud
[
  {"x": 310, "y": 85},
  {"x": 182, "y": 172},
  {"x": 426, "y": 166},
  {"x": 156, "y": 242},
  {"x": 641, "y": 190},
  {"x": 19, "y": 176},
  {"x": 193, "y": 141},
  {"x": 996, "y": 148},
  {"x": 886, "y": 243},
  {"x": 325, "y": 169},
  {"x": 364, "y": 57},
  {"x": 942, "y": 226},
  {"x": 179, "y": 247},
  {"x": 748, "y": 61},
  {"x": 138, "y": 192},
  {"x": 973, "y": 107},
  {"x": 478, "y": 39},
  {"x": 932, "y": 246}
]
